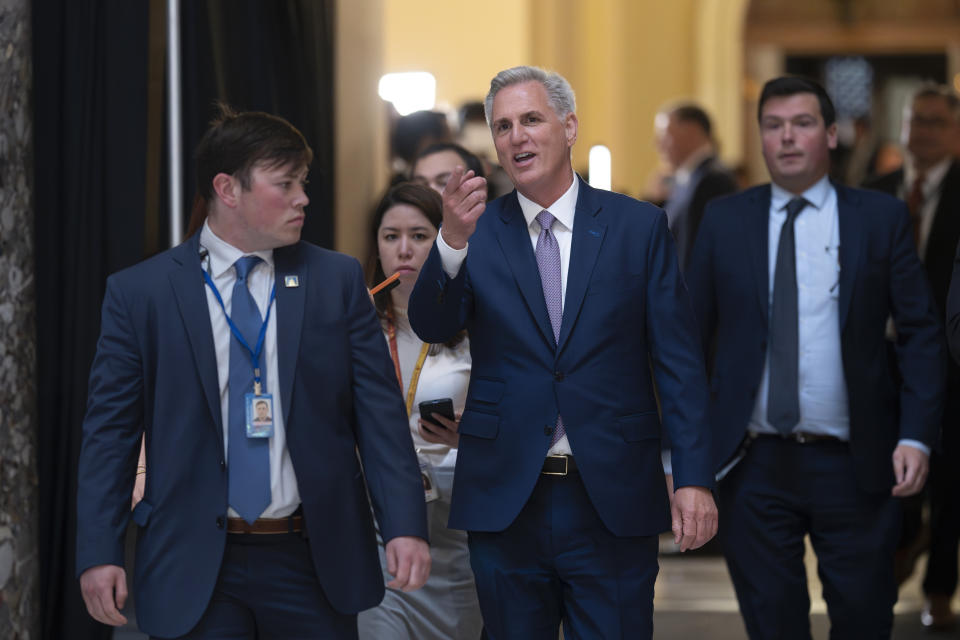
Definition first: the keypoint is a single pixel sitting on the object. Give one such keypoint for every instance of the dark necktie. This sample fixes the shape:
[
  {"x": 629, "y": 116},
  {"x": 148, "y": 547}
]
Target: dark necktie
[
  {"x": 248, "y": 459},
  {"x": 783, "y": 397},
  {"x": 915, "y": 204},
  {"x": 548, "y": 261}
]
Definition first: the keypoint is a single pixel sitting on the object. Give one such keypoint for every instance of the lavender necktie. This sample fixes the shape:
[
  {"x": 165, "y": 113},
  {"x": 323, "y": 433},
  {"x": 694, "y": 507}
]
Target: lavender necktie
[{"x": 548, "y": 260}]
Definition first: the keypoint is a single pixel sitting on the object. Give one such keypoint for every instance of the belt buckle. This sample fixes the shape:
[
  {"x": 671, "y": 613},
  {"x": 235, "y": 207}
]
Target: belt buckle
[{"x": 566, "y": 467}]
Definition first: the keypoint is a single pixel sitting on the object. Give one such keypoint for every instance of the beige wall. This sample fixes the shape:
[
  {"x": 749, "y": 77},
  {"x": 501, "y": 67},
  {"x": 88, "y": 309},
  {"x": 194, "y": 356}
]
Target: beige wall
[
  {"x": 624, "y": 58},
  {"x": 463, "y": 44}
]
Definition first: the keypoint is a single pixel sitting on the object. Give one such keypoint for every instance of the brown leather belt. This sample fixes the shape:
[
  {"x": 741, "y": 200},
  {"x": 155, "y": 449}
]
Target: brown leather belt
[
  {"x": 801, "y": 437},
  {"x": 559, "y": 466},
  {"x": 290, "y": 524}
]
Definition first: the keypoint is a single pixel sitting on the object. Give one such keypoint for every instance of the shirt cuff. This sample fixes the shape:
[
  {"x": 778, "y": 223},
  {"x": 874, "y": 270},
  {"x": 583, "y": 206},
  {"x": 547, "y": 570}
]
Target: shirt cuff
[
  {"x": 451, "y": 258},
  {"x": 666, "y": 458},
  {"x": 916, "y": 444}
]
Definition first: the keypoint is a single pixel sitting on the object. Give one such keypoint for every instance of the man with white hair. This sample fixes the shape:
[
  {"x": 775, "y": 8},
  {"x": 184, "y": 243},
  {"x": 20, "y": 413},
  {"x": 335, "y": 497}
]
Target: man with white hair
[{"x": 569, "y": 293}]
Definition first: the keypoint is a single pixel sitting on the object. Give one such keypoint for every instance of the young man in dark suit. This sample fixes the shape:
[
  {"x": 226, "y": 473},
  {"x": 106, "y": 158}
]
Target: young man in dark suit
[
  {"x": 245, "y": 532},
  {"x": 793, "y": 283}
]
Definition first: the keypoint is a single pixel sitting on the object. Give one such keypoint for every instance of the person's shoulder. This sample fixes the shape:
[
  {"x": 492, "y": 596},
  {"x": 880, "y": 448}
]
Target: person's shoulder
[
  {"x": 870, "y": 199},
  {"x": 315, "y": 254},
  {"x": 888, "y": 182},
  {"x": 731, "y": 203},
  {"x": 143, "y": 274},
  {"x": 626, "y": 207}
]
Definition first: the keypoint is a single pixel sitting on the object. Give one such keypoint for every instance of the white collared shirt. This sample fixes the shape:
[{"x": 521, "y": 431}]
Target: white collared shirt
[
  {"x": 822, "y": 386},
  {"x": 824, "y": 407},
  {"x": 221, "y": 256},
  {"x": 563, "y": 210},
  {"x": 932, "y": 183}
]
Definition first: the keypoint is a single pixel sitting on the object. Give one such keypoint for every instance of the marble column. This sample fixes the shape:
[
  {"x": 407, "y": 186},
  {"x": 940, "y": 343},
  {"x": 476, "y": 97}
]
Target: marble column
[{"x": 19, "y": 566}]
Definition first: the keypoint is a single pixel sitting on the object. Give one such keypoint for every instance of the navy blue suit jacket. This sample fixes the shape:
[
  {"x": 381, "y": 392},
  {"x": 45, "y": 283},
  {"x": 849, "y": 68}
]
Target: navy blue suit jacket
[
  {"x": 626, "y": 308},
  {"x": 155, "y": 371},
  {"x": 880, "y": 276}
]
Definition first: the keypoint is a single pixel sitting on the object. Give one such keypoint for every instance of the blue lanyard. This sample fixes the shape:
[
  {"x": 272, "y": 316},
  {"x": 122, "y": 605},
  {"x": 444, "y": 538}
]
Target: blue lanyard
[{"x": 254, "y": 353}]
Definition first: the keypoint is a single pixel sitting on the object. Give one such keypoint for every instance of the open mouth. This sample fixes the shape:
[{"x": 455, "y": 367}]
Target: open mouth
[{"x": 523, "y": 158}]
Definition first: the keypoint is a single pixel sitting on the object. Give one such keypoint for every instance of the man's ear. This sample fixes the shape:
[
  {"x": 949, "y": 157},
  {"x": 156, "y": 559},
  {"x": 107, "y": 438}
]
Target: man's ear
[
  {"x": 832, "y": 136},
  {"x": 570, "y": 125},
  {"x": 227, "y": 188}
]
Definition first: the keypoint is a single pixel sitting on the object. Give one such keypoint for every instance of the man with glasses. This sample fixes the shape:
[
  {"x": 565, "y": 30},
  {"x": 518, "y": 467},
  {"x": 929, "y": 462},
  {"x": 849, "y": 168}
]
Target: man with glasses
[{"x": 930, "y": 185}]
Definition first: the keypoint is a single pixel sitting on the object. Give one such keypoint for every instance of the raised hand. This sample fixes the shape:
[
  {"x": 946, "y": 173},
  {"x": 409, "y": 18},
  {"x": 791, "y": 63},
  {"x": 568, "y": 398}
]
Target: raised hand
[{"x": 464, "y": 199}]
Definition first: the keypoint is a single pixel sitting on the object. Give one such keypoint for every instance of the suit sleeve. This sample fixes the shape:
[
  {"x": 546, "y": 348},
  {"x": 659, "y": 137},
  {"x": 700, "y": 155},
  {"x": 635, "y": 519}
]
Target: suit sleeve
[
  {"x": 921, "y": 352},
  {"x": 677, "y": 360},
  {"x": 700, "y": 282},
  {"x": 383, "y": 436},
  {"x": 953, "y": 310},
  {"x": 111, "y": 434},
  {"x": 439, "y": 304}
]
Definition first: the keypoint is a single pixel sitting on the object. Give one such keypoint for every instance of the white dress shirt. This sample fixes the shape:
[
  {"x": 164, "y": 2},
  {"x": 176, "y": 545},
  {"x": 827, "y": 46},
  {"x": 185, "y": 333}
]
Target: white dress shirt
[
  {"x": 824, "y": 407},
  {"x": 563, "y": 210},
  {"x": 219, "y": 264}
]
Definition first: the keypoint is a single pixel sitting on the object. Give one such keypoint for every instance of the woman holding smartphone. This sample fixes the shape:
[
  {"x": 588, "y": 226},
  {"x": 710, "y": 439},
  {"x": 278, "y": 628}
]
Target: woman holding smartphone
[{"x": 403, "y": 230}]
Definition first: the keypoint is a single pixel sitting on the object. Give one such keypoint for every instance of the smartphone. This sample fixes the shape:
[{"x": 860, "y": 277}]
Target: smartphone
[{"x": 442, "y": 407}]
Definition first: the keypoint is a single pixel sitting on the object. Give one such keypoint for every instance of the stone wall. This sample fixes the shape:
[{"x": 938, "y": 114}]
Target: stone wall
[{"x": 19, "y": 566}]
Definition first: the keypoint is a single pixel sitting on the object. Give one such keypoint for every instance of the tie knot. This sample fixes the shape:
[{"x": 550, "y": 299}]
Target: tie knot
[
  {"x": 545, "y": 218},
  {"x": 794, "y": 207},
  {"x": 244, "y": 265}
]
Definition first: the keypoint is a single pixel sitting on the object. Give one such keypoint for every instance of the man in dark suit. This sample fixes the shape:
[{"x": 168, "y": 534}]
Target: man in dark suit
[
  {"x": 930, "y": 185},
  {"x": 793, "y": 282},
  {"x": 568, "y": 293},
  {"x": 685, "y": 140},
  {"x": 243, "y": 536}
]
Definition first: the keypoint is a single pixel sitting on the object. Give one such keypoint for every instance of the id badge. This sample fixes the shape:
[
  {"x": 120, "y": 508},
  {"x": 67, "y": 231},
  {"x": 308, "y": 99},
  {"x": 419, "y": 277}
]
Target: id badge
[
  {"x": 259, "y": 415},
  {"x": 430, "y": 492}
]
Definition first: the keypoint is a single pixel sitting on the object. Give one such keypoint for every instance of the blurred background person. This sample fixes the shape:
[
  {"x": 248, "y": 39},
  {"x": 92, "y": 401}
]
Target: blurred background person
[
  {"x": 685, "y": 140},
  {"x": 403, "y": 228},
  {"x": 436, "y": 163},
  {"x": 929, "y": 182},
  {"x": 410, "y": 135},
  {"x": 474, "y": 135}
]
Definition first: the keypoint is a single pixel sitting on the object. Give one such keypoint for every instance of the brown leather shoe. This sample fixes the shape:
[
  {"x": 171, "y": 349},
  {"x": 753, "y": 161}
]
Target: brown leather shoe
[{"x": 936, "y": 614}]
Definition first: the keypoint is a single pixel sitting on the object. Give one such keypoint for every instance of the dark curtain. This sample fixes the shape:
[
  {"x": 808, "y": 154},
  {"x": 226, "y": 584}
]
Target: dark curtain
[
  {"x": 90, "y": 134},
  {"x": 264, "y": 56},
  {"x": 90, "y": 104}
]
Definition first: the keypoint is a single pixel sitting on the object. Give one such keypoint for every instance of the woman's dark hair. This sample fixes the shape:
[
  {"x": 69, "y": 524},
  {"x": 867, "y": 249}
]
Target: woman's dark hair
[{"x": 425, "y": 200}]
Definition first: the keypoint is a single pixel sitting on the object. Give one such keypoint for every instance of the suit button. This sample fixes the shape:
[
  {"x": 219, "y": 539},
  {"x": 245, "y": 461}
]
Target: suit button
[
  {"x": 223, "y": 465},
  {"x": 548, "y": 430},
  {"x": 219, "y": 522},
  {"x": 558, "y": 376}
]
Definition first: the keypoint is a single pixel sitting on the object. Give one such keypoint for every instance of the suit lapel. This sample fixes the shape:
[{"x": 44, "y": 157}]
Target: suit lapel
[
  {"x": 514, "y": 238},
  {"x": 189, "y": 291},
  {"x": 851, "y": 246},
  {"x": 588, "y": 235},
  {"x": 758, "y": 241},
  {"x": 289, "y": 269}
]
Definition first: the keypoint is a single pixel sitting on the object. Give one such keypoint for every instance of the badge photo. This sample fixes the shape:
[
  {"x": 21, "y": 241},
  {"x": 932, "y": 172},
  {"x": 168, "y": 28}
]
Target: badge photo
[{"x": 259, "y": 415}]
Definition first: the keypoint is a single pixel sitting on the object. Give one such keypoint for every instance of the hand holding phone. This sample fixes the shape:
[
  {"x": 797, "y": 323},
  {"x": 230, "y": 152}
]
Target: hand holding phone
[
  {"x": 442, "y": 407},
  {"x": 433, "y": 429}
]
